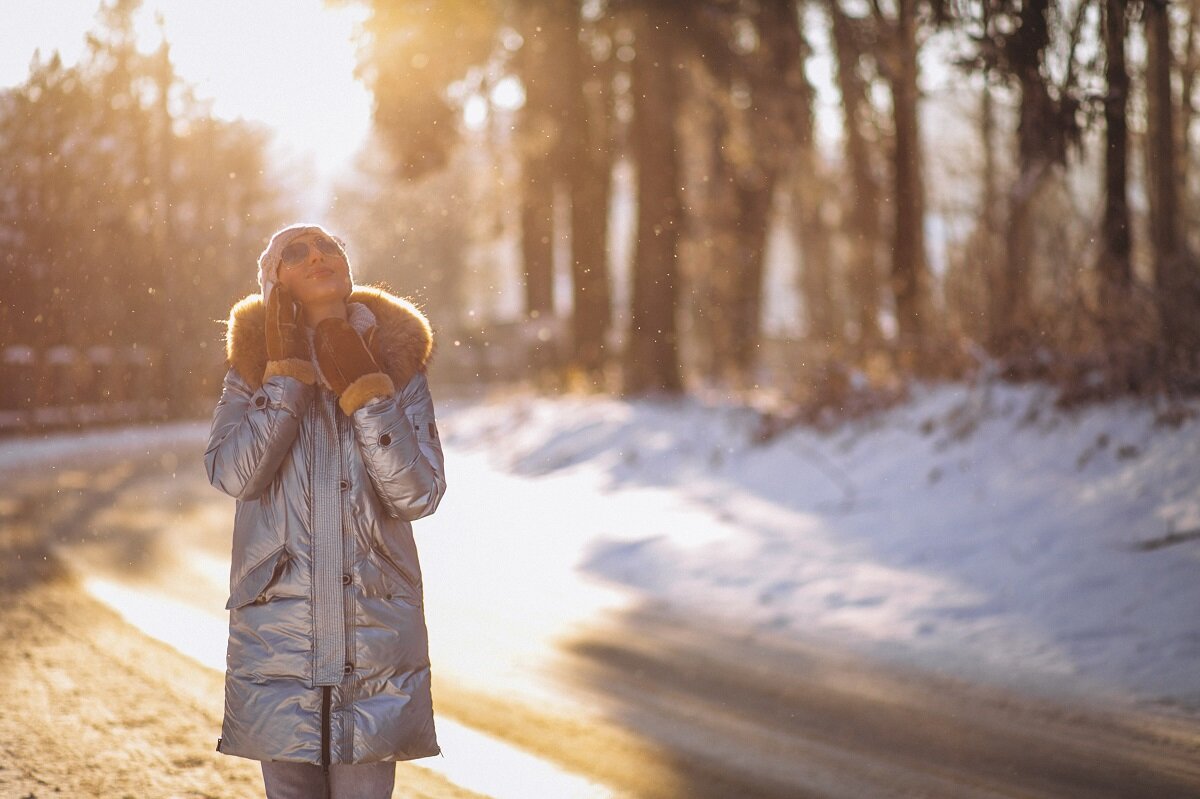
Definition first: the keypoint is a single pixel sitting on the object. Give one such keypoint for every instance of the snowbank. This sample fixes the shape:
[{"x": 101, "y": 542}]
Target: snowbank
[{"x": 980, "y": 531}]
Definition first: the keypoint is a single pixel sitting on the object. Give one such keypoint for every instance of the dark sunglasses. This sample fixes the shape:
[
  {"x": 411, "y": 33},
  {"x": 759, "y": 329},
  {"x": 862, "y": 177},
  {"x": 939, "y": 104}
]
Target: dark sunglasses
[{"x": 297, "y": 251}]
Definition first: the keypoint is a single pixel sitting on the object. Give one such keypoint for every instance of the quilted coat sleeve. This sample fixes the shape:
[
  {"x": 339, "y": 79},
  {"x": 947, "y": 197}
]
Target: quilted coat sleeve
[
  {"x": 252, "y": 431},
  {"x": 399, "y": 442}
]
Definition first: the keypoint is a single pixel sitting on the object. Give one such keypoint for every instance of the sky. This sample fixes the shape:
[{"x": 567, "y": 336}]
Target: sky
[{"x": 287, "y": 63}]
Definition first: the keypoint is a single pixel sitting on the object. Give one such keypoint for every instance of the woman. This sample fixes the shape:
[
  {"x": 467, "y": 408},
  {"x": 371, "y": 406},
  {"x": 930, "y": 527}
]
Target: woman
[{"x": 325, "y": 434}]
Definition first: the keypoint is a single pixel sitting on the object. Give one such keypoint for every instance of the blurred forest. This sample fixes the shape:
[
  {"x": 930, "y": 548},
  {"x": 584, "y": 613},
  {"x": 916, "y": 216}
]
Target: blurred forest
[
  {"x": 610, "y": 195},
  {"x": 131, "y": 219}
]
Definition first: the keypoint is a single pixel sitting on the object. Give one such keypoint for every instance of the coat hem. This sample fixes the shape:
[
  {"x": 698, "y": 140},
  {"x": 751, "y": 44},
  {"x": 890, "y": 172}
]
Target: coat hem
[{"x": 398, "y": 758}]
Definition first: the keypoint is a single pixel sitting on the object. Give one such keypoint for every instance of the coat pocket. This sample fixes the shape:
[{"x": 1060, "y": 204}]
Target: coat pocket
[
  {"x": 409, "y": 587},
  {"x": 426, "y": 428},
  {"x": 256, "y": 585}
]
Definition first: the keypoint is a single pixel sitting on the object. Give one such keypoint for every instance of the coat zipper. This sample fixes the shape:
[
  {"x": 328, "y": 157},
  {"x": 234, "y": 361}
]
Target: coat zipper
[
  {"x": 344, "y": 428},
  {"x": 325, "y": 732}
]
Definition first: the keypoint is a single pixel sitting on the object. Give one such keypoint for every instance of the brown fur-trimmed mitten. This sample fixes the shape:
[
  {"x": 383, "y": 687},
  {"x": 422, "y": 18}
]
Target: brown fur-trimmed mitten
[
  {"x": 347, "y": 363},
  {"x": 287, "y": 343}
]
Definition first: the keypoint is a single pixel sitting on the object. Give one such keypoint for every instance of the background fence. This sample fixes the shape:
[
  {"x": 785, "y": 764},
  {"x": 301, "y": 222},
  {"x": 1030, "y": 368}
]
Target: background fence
[{"x": 65, "y": 387}]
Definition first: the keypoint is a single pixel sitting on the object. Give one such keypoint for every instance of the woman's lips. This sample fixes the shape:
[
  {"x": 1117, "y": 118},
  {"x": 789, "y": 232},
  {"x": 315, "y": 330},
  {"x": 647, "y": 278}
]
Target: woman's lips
[{"x": 319, "y": 273}]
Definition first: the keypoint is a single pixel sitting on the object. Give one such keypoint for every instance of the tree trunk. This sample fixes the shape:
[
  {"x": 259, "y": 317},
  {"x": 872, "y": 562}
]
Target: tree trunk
[
  {"x": 1187, "y": 108},
  {"x": 1114, "y": 266},
  {"x": 751, "y": 146},
  {"x": 990, "y": 267},
  {"x": 910, "y": 278},
  {"x": 816, "y": 280},
  {"x": 720, "y": 298},
  {"x": 590, "y": 175},
  {"x": 539, "y": 142},
  {"x": 809, "y": 202},
  {"x": 537, "y": 236},
  {"x": 1160, "y": 154},
  {"x": 1176, "y": 276},
  {"x": 862, "y": 205},
  {"x": 652, "y": 347},
  {"x": 753, "y": 212},
  {"x": 1038, "y": 143},
  {"x": 779, "y": 122},
  {"x": 740, "y": 204}
]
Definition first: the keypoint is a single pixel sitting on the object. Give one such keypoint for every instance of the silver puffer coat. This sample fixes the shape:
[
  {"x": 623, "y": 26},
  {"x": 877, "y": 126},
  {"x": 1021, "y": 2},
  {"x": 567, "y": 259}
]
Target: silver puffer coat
[{"x": 328, "y": 657}]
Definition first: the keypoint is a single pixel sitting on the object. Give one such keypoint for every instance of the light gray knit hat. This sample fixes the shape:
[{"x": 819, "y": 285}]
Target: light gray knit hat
[{"x": 269, "y": 260}]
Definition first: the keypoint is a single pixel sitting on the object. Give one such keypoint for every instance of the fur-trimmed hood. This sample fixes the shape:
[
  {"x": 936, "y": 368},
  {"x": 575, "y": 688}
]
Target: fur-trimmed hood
[{"x": 404, "y": 336}]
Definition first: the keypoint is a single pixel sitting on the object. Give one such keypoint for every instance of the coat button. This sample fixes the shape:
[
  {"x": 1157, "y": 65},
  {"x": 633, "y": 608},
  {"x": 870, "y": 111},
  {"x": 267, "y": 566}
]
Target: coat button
[
  {"x": 346, "y": 579},
  {"x": 261, "y": 598},
  {"x": 385, "y": 440},
  {"x": 348, "y": 668},
  {"x": 344, "y": 484},
  {"x": 260, "y": 401}
]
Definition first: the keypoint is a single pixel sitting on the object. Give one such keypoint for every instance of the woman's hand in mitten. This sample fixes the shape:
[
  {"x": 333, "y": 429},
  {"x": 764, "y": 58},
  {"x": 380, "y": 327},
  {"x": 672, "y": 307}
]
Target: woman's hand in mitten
[
  {"x": 287, "y": 344},
  {"x": 347, "y": 363}
]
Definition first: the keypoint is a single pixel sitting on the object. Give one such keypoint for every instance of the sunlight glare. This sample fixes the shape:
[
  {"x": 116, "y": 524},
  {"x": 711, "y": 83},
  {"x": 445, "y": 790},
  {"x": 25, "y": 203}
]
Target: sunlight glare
[
  {"x": 489, "y": 766},
  {"x": 473, "y": 760},
  {"x": 513, "y": 636},
  {"x": 290, "y": 64},
  {"x": 199, "y": 635},
  {"x": 286, "y": 63},
  {"x": 508, "y": 94},
  {"x": 475, "y": 112}
]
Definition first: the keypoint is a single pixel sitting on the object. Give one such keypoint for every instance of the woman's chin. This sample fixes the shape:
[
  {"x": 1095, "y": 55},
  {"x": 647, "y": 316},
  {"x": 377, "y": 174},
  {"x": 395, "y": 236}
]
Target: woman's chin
[{"x": 323, "y": 291}]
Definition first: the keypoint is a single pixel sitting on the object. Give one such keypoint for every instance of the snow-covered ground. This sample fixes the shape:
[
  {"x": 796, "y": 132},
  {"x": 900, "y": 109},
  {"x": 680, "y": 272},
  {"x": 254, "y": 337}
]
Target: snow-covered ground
[{"x": 976, "y": 530}]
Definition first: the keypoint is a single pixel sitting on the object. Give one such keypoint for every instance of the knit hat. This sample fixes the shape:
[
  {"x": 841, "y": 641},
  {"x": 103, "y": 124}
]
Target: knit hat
[{"x": 269, "y": 260}]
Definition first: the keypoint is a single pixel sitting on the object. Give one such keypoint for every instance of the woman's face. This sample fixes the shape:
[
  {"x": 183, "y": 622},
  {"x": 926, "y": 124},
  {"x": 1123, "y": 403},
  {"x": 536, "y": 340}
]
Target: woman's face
[{"x": 319, "y": 277}]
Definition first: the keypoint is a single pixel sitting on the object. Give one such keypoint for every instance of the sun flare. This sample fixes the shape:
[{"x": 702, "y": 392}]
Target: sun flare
[{"x": 287, "y": 64}]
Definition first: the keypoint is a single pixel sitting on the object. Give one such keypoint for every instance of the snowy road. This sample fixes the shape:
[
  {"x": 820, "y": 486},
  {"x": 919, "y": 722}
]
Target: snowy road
[{"x": 605, "y": 692}]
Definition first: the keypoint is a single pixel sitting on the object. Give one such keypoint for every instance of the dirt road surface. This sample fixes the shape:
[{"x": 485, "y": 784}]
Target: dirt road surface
[{"x": 646, "y": 703}]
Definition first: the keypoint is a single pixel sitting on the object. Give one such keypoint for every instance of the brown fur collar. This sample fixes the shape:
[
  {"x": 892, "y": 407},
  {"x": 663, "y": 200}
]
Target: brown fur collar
[{"x": 404, "y": 336}]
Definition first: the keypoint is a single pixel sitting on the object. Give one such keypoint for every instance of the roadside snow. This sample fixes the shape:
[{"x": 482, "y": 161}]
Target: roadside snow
[
  {"x": 56, "y": 449},
  {"x": 976, "y": 530}
]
